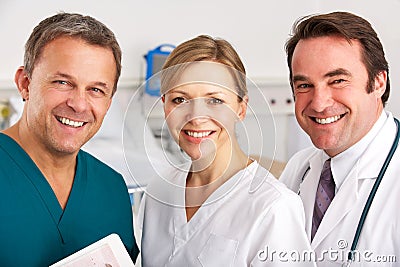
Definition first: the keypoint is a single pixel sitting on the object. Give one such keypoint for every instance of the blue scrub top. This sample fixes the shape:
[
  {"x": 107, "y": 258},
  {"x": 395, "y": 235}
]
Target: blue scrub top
[{"x": 36, "y": 231}]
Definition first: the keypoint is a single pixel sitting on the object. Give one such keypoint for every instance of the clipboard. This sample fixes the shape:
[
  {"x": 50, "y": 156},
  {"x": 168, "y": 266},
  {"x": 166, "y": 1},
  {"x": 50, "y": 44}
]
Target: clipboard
[{"x": 107, "y": 252}]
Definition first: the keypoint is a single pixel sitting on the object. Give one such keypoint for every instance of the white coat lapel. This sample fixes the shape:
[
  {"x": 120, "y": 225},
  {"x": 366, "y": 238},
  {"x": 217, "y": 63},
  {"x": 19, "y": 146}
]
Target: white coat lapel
[
  {"x": 367, "y": 167},
  {"x": 373, "y": 158}
]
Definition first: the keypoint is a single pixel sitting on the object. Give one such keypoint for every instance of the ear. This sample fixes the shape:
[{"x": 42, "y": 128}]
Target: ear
[
  {"x": 22, "y": 81},
  {"x": 243, "y": 107},
  {"x": 380, "y": 84},
  {"x": 163, "y": 98}
]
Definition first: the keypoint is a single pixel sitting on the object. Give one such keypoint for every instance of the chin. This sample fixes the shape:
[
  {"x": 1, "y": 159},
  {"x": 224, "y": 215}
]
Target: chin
[
  {"x": 194, "y": 156},
  {"x": 67, "y": 148},
  {"x": 326, "y": 146}
]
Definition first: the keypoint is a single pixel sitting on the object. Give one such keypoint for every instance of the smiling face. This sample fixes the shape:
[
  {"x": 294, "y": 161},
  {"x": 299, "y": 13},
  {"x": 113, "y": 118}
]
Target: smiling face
[
  {"x": 201, "y": 116},
  {"x": 330, "y": 87},
  {"x": 68, "y": 94}
]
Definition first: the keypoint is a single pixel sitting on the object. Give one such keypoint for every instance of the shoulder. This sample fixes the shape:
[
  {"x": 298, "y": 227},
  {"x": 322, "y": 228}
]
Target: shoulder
[
  {"x": 102, "y": 181},
  {"x": 297, "y": 166},
  {"x": 95, "y": 166},
  {"x": 8, "y": 145},
  {"x": 277, "y": 207},
  {"x": 304, "y": 154},
  {"x": 271, "y": 190},
  {"x": 297, "y": 162}
]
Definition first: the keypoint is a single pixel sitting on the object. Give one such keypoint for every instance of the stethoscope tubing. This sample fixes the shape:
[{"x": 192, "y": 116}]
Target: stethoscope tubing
[{"x": 371, "y": 196}]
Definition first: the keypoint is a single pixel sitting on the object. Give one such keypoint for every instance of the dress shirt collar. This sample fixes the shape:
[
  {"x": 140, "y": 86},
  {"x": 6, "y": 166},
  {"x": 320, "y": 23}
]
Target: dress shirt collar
[{"x": 342, "y": 163}]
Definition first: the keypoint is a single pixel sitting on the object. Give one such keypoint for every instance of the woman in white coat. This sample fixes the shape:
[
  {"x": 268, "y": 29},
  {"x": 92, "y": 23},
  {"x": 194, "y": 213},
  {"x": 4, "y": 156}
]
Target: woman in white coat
[{"x": 220, "y": 208}]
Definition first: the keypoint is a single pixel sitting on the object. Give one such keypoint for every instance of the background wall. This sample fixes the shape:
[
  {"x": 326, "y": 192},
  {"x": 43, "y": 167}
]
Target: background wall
[{"x": 258, "y": 29}]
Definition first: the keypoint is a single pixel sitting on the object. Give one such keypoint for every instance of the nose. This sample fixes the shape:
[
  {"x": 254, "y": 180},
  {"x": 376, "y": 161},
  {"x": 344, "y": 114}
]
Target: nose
[
  {"x": 321, "y": 98},
  {"x": 77, "y": 100},
  {"x": 197, "y": 111}
]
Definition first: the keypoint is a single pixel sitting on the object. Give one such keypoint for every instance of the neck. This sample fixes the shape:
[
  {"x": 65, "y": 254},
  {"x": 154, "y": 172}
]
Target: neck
[
  {"x": 218, "y": 169},
  {"x": 57, "y": 168},
  {"x": 201, "y": 184}
]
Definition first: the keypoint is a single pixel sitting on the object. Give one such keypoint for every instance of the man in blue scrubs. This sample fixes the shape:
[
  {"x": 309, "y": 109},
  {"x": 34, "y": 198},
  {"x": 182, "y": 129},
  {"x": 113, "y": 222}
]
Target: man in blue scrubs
[{"x": 55, "y": 199}]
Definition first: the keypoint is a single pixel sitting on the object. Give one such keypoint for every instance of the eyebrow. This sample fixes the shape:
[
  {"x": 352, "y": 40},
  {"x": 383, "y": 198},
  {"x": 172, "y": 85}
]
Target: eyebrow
[
  {"x": 333, "y": 73},
  {"x": 67, "y": 76},
  {"x": 63, "y": 75},
  {"x": 301, "y": 78},
  {"x": 337, "y": 72},
  {"x": 185, "y": 93}
]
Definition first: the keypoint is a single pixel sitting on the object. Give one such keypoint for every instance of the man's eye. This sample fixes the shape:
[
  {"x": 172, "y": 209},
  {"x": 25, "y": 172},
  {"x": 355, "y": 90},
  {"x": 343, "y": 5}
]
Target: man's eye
[
  {"x": 339, "y": 81},
  {"x": 97, "y": 90},
  {"x": 179, "y": 100},
  {"x": 61, "y": 82},
  {"x": 62, "y": 85},
  {"x": 303, "y": 87}
]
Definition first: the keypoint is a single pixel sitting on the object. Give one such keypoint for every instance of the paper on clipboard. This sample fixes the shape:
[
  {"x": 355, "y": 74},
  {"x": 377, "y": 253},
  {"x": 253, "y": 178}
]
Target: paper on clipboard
[{"x": 107, "y": 252}]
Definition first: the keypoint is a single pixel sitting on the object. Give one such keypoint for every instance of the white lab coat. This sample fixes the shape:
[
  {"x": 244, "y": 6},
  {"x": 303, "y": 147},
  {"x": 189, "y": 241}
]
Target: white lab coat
[
  {"x": 380, "y": 237},
  {"x": 241, "y": 224}
]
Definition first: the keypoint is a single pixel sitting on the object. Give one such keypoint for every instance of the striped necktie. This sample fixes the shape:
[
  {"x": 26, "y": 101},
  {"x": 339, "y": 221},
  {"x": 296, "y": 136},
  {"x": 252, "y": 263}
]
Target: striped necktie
[{"x": 324, "y": 196}]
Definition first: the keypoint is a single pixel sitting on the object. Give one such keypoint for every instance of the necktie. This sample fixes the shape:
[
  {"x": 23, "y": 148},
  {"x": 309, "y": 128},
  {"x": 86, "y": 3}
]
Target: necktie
[{"x": 324, "y": 196}]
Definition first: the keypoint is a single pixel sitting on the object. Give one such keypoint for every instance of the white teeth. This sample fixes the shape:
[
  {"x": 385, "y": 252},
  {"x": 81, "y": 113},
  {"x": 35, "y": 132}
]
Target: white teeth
[
  {"x": 327, "y": 120},
  {"x": 198, "y": 134},
  {"x": 70, "y": 122}
]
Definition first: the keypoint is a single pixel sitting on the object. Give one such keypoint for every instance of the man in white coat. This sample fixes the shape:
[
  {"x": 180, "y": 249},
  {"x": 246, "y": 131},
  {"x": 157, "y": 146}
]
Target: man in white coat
[{"x": 339, "y": 77}]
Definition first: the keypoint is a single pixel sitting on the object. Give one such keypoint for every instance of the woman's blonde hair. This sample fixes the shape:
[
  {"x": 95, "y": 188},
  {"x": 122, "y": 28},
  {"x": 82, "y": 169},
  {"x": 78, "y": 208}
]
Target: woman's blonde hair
[{"x": 203, "y": 48}]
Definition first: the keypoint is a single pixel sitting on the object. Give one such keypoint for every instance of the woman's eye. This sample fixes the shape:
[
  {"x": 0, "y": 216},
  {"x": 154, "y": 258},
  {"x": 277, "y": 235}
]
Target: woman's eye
[
  {"x": 215, "y": 101},
  {"x": 179, "y": 100}
]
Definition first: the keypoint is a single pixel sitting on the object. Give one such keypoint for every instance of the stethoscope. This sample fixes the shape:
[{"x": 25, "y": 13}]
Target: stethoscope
[{"x": 351, "y": 255}]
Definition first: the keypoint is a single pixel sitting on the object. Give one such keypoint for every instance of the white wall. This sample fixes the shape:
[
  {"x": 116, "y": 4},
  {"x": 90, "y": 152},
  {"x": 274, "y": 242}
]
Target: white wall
[{"x": 258, "y": 30}]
